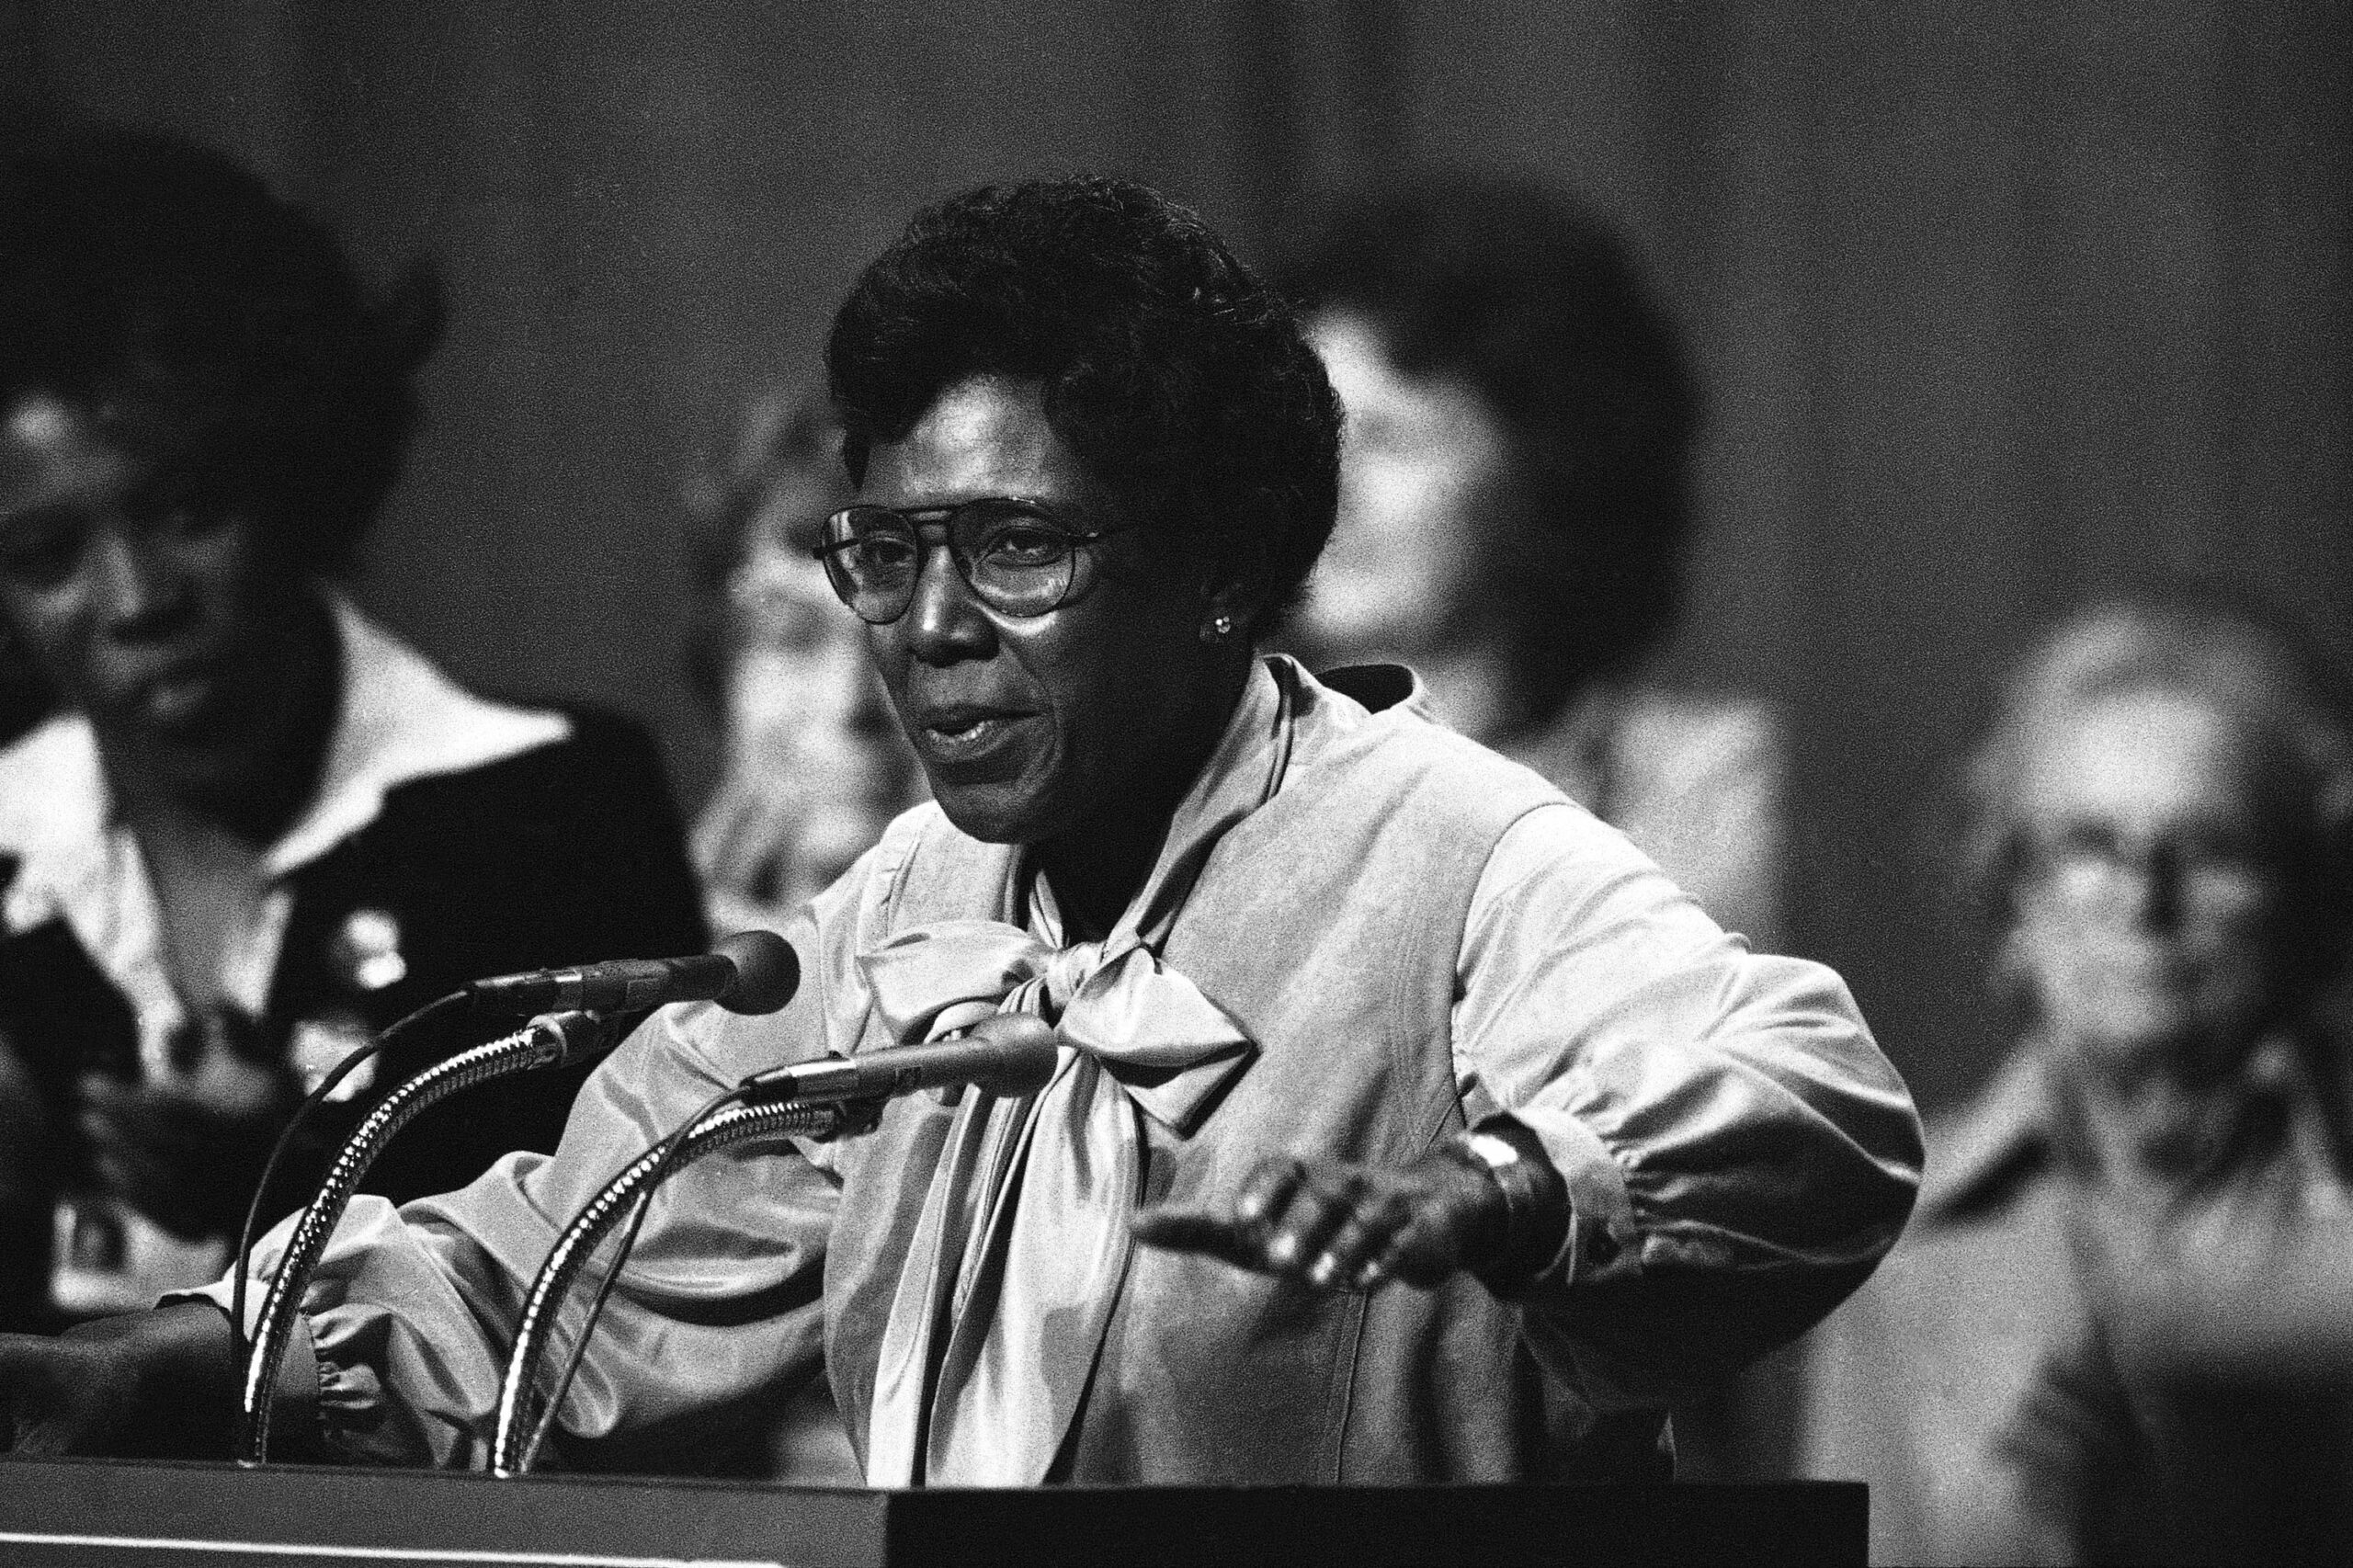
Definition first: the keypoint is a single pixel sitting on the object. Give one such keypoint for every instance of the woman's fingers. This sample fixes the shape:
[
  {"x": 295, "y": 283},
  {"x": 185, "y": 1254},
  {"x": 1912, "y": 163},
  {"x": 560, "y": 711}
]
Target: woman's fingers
[
  {"x": 1329, "y": 1224},
  {"x": 1266, "y": 1192},
  {"x": 1195, "y": 1231},
  {"x": 1291, "y": 1228},
  {"x": 1240, "y": 1231},
  {"x": 1361, "y": 1241}
]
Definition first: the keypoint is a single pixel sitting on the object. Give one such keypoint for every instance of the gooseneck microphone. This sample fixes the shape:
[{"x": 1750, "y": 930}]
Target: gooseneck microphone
[
  {"x": 1004, "y": 1060},
  {"x": 1010, "y": 1054},
  {"x": 752, "y": 972}
]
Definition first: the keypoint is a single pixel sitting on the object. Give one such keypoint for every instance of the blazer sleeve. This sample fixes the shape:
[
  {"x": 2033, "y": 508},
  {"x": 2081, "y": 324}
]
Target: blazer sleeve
[{"x": 1738, "y": 1154}]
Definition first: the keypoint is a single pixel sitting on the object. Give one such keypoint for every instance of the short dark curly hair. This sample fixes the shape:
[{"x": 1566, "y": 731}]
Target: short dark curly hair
[
  {"x": 139, "y": 270},
  {"x": 1531, "y": 301},
  {"x": 1183, "y": 383}
]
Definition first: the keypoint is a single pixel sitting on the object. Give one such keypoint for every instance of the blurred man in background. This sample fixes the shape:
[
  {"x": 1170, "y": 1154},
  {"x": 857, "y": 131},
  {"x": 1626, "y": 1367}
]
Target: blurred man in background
[{"x": 2158, "y": 833}]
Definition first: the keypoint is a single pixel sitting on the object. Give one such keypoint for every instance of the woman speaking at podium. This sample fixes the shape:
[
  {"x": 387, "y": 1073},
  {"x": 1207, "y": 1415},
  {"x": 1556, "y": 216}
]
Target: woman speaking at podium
[{"x": 1408, "y": 1125}]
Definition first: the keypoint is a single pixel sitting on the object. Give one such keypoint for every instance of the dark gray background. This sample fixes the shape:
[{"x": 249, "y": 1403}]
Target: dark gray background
[{"x": 1997, "y": 299}]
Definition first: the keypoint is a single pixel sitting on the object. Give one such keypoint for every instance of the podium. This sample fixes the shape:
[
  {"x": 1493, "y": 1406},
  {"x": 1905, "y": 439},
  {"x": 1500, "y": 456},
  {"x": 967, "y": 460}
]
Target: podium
[{"x": 85, "y": 1513}]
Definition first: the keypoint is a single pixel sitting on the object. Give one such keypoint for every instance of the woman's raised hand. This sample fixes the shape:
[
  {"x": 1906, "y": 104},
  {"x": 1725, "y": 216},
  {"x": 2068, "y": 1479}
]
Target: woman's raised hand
[{"x": 1337, "y": 1225}]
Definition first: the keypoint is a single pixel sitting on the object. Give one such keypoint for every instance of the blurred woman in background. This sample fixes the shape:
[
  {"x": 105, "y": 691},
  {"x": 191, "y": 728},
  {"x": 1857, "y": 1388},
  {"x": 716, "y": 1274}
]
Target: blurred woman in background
[
  {"x": 2158, "y": 833},
  {"x": 1515, "y": 510},
  {"x": 815, "y": 767},
  {"x": 259, "y": 827}
]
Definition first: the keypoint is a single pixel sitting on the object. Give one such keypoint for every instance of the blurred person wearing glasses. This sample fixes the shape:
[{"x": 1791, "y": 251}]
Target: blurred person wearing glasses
[{"x": 2158, "y": 837}]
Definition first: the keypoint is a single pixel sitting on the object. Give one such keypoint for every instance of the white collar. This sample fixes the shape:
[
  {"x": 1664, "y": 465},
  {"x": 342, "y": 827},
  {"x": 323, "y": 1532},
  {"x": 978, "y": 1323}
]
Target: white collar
[{"x": 401, "y": 720}]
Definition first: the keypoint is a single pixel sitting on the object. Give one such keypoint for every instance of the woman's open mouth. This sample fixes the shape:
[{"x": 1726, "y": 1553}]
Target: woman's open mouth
[{"x": 954, "y": 736}]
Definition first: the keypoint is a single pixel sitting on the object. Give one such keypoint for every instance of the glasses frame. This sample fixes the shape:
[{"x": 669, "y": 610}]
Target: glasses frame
[
  {"x": 2105, "y": 872},
  {"x": 919, "y": 518}
]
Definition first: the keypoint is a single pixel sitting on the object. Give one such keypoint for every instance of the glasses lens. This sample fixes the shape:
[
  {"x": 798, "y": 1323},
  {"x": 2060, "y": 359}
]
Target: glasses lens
[
  {"x": 872, "y": 557},
  {"x": 1018, "y": 562},
  {"x": 2217, "y": 874}
]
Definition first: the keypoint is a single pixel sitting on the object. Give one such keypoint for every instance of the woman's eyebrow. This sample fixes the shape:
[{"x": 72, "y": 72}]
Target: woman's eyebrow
[{"x": 1053, "y": 506}]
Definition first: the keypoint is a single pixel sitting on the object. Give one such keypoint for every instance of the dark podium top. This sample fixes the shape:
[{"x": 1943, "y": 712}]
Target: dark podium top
[{"x": 82, "y": 1513}]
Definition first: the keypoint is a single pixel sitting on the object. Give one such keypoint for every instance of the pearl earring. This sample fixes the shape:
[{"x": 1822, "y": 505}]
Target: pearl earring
[{"x": 1219, "y": 628}]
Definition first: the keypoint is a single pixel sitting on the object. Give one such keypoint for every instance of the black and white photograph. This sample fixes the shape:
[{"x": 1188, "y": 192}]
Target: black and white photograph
[{"x": 1213, "y": 781}]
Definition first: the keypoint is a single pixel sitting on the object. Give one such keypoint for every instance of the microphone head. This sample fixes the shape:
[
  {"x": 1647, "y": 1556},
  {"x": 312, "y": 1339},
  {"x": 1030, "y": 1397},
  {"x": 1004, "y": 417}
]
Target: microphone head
[
  {"x": 1025, "y": 1053},
  {"x": 767, "y": 971}
]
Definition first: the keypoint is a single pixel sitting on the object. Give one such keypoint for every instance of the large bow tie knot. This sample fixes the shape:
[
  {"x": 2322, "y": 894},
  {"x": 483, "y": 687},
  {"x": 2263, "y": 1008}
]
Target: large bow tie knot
[
  {"x": 1067, "y": 970},
  {"x": 1003, "y": 1306},
  {"x": 1048, "y": 993},
  {"x": 1113, "y": 1001}
]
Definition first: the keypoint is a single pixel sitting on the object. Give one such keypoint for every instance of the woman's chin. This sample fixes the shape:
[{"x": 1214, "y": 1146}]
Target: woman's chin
[{"x": 1007, "y": 812}]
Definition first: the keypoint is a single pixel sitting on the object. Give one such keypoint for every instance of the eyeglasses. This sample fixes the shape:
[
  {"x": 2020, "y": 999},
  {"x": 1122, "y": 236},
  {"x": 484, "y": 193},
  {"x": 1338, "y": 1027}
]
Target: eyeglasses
[
  {"x": 1014, "y": 555},
  {"x": 2092, "y": 867}
]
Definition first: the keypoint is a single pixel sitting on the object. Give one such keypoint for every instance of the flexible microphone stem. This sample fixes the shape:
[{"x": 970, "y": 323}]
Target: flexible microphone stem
[
  {"x": 518, "y": 1411},
  {"x": 540, "y": 1042},
  {"x": 431, "y": 1012},
  {"x": 1010, "y": 1054}
]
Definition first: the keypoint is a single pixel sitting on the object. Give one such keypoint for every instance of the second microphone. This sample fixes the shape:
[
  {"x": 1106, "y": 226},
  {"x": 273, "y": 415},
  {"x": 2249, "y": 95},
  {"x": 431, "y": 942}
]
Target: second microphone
[{"x": 751, "y": 971}]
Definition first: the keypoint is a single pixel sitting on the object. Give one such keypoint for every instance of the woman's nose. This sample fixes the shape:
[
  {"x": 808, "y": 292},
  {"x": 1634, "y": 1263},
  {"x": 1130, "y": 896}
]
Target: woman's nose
[
  {"x": 944, "y": 622},
  {"x": 140, "y": 586}
]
